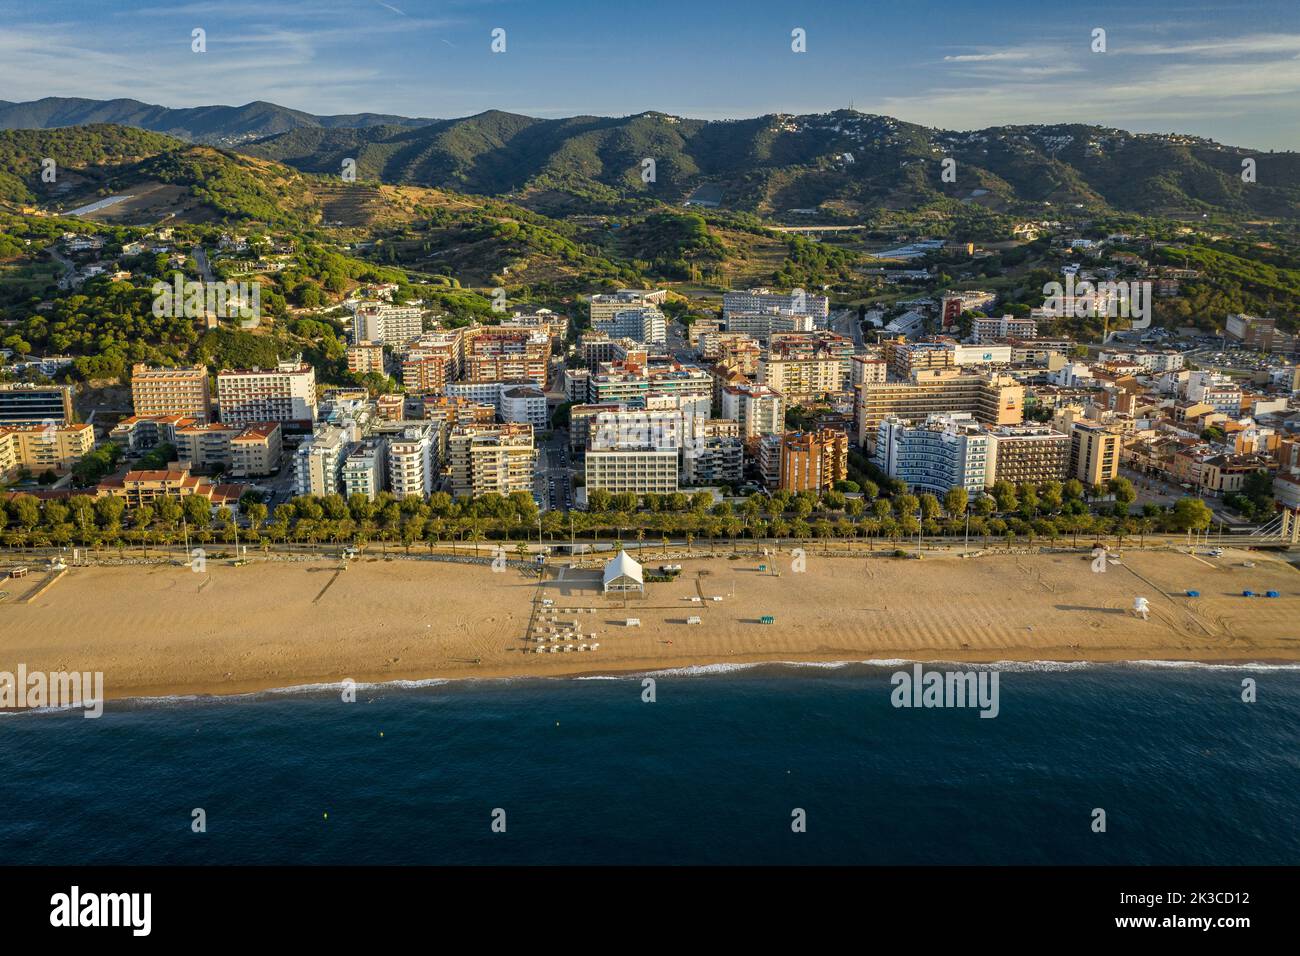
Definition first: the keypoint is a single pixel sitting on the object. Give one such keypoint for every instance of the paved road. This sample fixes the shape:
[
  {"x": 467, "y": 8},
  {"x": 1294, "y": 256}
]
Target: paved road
[
  {"x": 552, "y": 481},
  {"x": 845, "y": 322}
]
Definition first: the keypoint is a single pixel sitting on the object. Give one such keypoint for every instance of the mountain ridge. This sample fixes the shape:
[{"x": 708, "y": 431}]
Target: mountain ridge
[{"x": 838, "y": 164}]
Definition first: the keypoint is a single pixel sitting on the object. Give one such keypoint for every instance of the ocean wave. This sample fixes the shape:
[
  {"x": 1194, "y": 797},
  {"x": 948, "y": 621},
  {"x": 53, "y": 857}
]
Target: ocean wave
[
  {"x": 1209, "y": 666},
  {"x": 720, "y": 669},
  {"x": 287, "y": 691}
]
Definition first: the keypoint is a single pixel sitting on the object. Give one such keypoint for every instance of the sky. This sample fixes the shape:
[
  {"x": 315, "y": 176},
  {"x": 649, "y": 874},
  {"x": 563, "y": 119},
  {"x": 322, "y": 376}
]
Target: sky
[{"x": 1229, "y": 70}]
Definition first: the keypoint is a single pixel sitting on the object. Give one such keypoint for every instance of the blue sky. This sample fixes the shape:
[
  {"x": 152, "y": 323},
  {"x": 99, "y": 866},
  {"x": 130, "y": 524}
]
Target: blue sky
[{"x": 1230, "y": 70}]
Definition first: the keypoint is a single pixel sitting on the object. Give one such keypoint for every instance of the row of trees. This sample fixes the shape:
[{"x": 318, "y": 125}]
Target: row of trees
[{"x": 99, "y": 522}]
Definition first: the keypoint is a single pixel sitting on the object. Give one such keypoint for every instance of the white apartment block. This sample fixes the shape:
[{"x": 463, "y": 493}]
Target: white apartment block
[
  {"x": 363, "y": 468},
  {"x": 412, "y": 460},
  {"x": 386, "y": 324},
  {"x": 761, "y": 326},
  {"x": 759, "y": 408},
  {"x": 946, "y": 451},
  {"x": 796, "y": 302},
  {"x": 523, "y": 403},
  {"x": 1167, "y": 360},
  {"x": 660, "y": 430},
  {"x": 645, "y": 325},
  {"x": 1217, "y": 390},
  {"x": 603, "y": 307},
  {"x": 318, "y": 463},
  {"x": 1003, "y": 327},
  {"x": 639, "y": 471},
  {"x": 286, "y": 394}
]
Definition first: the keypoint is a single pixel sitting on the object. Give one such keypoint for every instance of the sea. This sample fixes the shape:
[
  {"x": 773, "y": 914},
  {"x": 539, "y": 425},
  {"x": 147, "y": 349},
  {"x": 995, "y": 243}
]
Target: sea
[{"x": 1142, "y": 763}]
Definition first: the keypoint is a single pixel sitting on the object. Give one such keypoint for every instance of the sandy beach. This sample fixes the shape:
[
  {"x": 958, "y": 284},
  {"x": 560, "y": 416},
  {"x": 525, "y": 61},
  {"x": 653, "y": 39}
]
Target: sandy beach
[{"x": 166, "y": 630}]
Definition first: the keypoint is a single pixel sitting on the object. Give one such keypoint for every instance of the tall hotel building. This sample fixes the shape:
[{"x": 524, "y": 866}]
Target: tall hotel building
[
  {"x": 285, "y": 394},
  {"x": 992, "y": 399},
  {"x": 946, "y": 451},
  {"x": 171, "y": 391},
  {"x": 1029, "y": 454}
]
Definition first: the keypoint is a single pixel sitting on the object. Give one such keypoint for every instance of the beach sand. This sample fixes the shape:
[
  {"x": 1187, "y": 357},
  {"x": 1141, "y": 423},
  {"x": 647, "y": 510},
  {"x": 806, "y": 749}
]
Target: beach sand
[{"x": 165, "y": 630}]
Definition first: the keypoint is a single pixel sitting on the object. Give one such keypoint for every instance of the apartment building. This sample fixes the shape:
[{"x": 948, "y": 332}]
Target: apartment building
[
  {"x": 986, "y": 329},
  {"x": 1217, "y": 391},
  {"x": 42, "y": 448},
  {"x": 637, "y": 470},
  {"x": 171, "y": 391},
  {"x": 646, "y": 325},
  {"x": 242, "y": 450},
  {"x": 713, "y": 459},
  {"x": 1094, "y": 452},
  {"x": 577, "y": 384},
  {"x": 795, "y": 302},
  {"x": 318, "y": 462},
  {"x": 605, "y": 307},
  {"x": 597, "y": 347},
  {"x": 759, "y": 409},
  {"x": 363, "y": 468},
  {"x": 868, "y": 369},
  {"x": 1028, "y": 454},
  {"x": 285, "y": 394},
  {"x": 623, "y": 383},
  {"x": 807, "y": 366},
  {"x": 814, "y": 461},
  {"x": 991, "y": 398},
  {"x": 582, "y": 420},
  {"x": 138, "y": 435},
  {"x": 511, "y": 355},
  {"x": 413, "y": 461},
  {"x": 23, "y": 403},
  {"x": 943, "y": 452},
  {"x": 386, "y": 324},
  {"x": 432, "y": 361},
  {"x": 364, "y": 357},
  {"x": 490, "y": 458},
  {"x": 761, "y": 326},
  {"x": 658, "y": 429}
]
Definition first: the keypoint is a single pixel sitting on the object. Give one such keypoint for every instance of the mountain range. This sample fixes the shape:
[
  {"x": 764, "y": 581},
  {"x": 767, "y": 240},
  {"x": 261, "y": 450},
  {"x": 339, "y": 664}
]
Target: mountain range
[
  {"x": 213, "y": 125},
  {"x": 836, "y": 165}
]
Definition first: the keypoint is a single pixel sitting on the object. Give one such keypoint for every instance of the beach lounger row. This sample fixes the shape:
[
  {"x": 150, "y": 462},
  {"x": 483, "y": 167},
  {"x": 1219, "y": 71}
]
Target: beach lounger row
[{"x": 556, "y": 648}]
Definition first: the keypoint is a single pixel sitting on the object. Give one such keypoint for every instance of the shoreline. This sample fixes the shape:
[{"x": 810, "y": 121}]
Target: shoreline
[
  {"x": 693, "y": 669},
  {"x": 161, "y": 632},
  {"x": 685, "y": 667}
]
